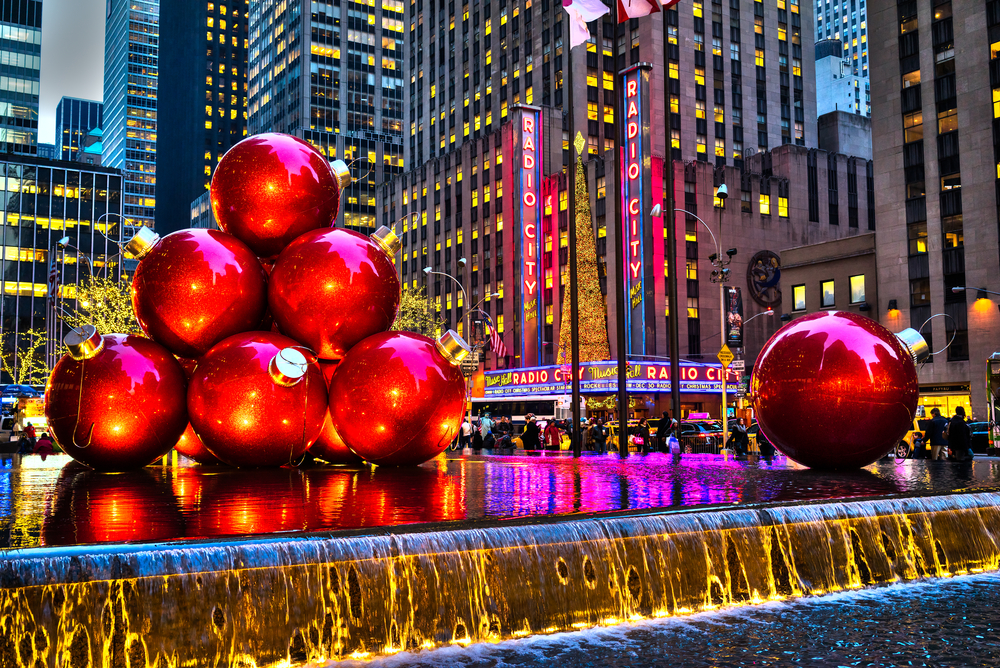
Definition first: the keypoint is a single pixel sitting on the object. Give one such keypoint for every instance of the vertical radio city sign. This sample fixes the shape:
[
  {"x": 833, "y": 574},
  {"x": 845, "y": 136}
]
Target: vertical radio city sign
[
  {"x": 528, "y": 160},
  {"x": 636, "y": 204}
]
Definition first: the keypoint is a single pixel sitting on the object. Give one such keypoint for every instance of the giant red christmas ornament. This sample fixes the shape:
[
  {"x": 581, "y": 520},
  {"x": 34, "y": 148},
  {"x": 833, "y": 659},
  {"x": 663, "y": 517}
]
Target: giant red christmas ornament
[
  {"x": 398, "y": 397},
  {"x": 195, "y": 287},
  {"x": 836, "y": 390},
  {"x": 332, "y": 288},
  {"x": 256, "y": 400},
  {"x": 330, "y": 447},
  {"x": 191, "y": 447},
  {"x": 270, "y": 188},
  {"x": 115, "y": 402}
]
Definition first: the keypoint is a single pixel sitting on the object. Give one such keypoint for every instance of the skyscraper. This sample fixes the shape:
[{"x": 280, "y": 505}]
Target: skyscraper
[
  {"x": 936, "y": 137},
  {"x": 131, "y": 53},
  {"x": 846, "y": 20},
  {"x": 50, "y": 200},
  {"x": 74, "y": 119},
  {"x": 332, "y": 75},
  {"x": 466, "y": 195},
  {"x": 20, "y": 73},
  {"x": 201, "y": 98}
]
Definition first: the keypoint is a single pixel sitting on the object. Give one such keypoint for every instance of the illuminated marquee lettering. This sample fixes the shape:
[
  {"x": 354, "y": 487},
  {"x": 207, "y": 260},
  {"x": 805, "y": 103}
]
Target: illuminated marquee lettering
[
  {"x": 529, "y": 161},
  {"x": 601, "y": 378}
]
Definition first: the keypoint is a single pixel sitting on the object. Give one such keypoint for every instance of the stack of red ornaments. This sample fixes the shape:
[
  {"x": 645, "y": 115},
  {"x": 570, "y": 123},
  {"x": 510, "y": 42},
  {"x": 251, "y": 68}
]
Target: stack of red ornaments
[{"x": 266, "y": 341}]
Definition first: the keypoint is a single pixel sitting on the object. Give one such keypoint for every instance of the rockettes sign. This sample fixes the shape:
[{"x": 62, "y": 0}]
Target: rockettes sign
[
  {"x": 636, "y": 198},
  {"x": 528, "y": 155}
]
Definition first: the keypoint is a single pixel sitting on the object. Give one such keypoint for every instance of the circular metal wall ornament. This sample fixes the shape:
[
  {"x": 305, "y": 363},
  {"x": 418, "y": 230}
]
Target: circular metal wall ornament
[{"x": 764, "y": 278}]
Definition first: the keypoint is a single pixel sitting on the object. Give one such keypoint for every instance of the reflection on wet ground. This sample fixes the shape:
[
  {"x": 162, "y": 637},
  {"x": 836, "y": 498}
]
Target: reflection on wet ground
[
  {"x": 954, "y": 622},
  {"x": 57, "y": 502}
]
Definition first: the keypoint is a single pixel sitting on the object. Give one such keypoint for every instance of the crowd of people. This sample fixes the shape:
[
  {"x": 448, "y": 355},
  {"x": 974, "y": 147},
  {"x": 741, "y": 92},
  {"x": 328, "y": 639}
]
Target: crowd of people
[
  {"x": 486, "y": 432},
  {"x": 949, "y": 439}
]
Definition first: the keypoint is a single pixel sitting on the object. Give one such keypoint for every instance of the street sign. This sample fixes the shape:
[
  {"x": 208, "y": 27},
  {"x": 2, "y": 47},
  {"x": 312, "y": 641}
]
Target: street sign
[
  {"x": 738, "y": 365},
  {"x": 725, "y": 356},
  {"x": 469, "y": 367}
]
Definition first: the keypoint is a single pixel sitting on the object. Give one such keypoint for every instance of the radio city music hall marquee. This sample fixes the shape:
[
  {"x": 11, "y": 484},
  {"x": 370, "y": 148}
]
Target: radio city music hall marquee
[{"x": 527, "y": 154}]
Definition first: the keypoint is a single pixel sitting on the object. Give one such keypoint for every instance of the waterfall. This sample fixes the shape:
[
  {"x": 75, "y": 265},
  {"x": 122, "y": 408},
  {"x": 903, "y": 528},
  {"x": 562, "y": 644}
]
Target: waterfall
[{"x": 316, "y": 598}]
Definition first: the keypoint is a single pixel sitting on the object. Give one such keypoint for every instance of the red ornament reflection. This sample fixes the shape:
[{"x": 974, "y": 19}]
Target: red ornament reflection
[
  {"x": 121, "y": 409},
  {"x": 94, "y": 507},
  {"x": 224, "y": 502},
  {"x": 332, "y": 288},
  {"x": 834, "y": 390},
  {"x": 195, "y": 288},
  {"x": 271, "y": 188},
  {"x": 340, "y": 498},
  {"x": 191, "y": 447},
  {"x": 396, "y": 400},
  {"x": 242, "y": 415}
]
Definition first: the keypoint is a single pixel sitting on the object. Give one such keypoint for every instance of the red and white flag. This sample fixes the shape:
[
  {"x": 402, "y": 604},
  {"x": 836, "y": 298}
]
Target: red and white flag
[
  {"x": 633, "y": 9},
  {"x": 496, "y": 341},
  {"x": 582, "y": 12}
]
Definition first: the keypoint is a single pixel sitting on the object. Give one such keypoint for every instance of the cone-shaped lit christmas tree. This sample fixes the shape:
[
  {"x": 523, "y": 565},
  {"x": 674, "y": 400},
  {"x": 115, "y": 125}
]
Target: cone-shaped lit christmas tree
[{"x": 593, "y": 321}]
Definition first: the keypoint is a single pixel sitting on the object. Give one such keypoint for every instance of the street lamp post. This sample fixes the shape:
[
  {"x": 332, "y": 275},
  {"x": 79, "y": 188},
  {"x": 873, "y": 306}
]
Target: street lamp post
[{"x": 721, "y": 276}]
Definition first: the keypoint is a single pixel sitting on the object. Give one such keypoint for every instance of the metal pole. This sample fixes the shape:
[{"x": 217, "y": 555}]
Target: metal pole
[
  {"x": 670, "y": 219},
  {"x": 725, "y": 371},
  {"x": 574, "y": 302},
  {"x": 620, "y": 295}
]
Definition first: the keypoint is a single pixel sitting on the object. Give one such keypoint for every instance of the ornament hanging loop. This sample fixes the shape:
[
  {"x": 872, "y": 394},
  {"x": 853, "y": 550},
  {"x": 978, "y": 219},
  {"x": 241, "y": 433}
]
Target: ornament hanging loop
[{"x": 954, "y": 332}]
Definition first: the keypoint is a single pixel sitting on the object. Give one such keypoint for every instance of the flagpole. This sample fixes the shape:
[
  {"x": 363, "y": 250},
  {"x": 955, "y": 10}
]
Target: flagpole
[
  {"x": 574, "y": 302},
  {"x": 670, "y": 220},
  {"x": 620, "y": 295}
]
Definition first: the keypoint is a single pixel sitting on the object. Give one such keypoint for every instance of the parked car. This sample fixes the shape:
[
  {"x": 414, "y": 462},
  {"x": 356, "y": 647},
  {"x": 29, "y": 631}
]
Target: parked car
[
  {"x": 980, "y": 436},
  {"x": 757, "y": 435},
  {"x": 701, "y": 436}
]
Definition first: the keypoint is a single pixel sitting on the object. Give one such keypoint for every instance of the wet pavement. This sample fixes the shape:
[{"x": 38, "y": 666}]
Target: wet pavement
[
  {"x": 951, "y": 622},
  {"x": 57, "y": 502}
]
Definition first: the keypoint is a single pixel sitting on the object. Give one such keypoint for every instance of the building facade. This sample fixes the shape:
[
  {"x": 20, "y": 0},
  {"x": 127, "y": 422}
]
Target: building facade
[
  {"x": 45, "y": 201},
  {"x": 468, "y": 203},
  {"x": 839, "y": 275},
  {"x": 202, "y": 100},
  {"x": 332, "y": 74},
  {"x": 131, "y": 53},
  {"x": 838, "y": 87},
  {"x": 75, "y": 119},
  {"x": 763, "y": 86},
  {"x": 20, "y": 74},
  {"x": 847, "y": 21},
  {"x": 935, "y": 85}
]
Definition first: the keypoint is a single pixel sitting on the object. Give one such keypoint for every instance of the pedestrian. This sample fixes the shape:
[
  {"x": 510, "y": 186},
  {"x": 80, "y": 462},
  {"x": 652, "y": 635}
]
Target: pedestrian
[
  {"x": 588, "y": 437},
  {"x": 934, "y": 434},
  {"x": 959, "y": 437},
  {"x": 599, "y": 437},
  {"x": 486, "y": 431},
  {"x": 552, "y": 436},
  {"x": 477, "y": 435},
  {"x": 27, "y": 444},
  {"x": 642, "y": 436},
  {"x": 530, "y": 436},
  {"x": 44, "y": 447},
  {"x": 503, "y": 430},
  {"x": 466, "y": 437},
  {"x": 663, "y": 426}
]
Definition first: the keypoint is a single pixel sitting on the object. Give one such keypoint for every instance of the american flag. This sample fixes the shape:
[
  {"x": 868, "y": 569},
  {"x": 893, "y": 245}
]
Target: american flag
[{"x": 496, "y": 341}]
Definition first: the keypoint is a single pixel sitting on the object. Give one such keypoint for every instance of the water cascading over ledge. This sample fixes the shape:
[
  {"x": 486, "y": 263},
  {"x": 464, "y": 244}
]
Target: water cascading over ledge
[{"x": 260, "y": 603}]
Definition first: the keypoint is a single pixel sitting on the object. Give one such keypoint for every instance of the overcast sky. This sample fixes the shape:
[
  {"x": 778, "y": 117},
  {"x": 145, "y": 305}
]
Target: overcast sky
[{"x": 72, "y": 57}]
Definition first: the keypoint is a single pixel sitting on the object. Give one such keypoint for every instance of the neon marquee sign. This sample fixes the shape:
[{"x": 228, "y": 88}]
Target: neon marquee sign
[
  {"x": 602, "y": 378},
  {"x": 528, "y": 141}
]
